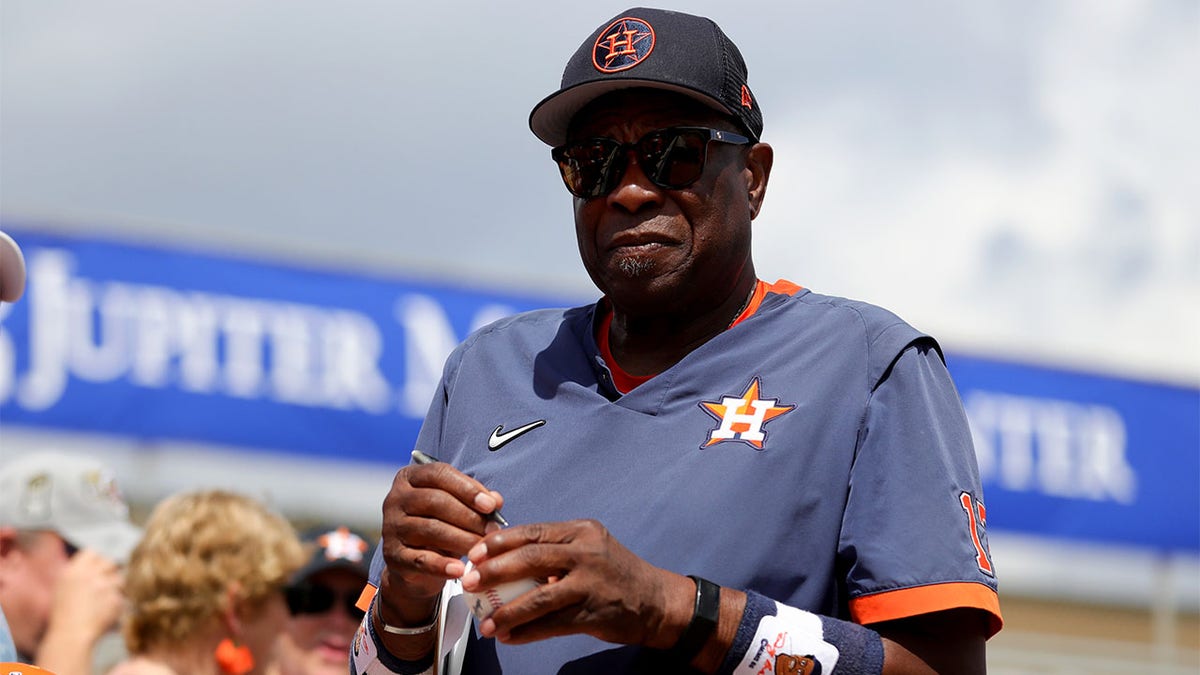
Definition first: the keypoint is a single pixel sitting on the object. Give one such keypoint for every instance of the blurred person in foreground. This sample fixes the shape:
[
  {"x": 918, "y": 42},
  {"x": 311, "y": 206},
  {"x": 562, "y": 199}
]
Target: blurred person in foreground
[
  {"x": 707, "y": 471},
  {"x": 205, "y": 587},
  {"x": 321, "y": 598},
  {"x": 12, "y": 269},
  {"x": 12, "y": 285},
  {"x": 64, "y": 534}
]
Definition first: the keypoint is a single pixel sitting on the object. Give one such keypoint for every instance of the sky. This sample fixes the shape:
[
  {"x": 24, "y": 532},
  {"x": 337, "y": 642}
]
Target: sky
[{"x": 1016, "y": 177}]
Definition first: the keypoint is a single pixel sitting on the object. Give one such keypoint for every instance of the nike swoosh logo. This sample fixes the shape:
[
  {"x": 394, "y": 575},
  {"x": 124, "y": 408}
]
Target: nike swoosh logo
[{"x": 498, "y": 440}]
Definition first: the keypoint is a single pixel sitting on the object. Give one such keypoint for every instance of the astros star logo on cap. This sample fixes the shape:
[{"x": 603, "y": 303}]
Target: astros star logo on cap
[
  {"x": 343, "y": 544},
  {"x": 625, "y": 43}
]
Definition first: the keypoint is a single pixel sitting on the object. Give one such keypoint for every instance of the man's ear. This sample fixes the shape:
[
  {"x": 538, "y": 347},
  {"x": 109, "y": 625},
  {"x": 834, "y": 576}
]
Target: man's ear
[{"x": 759, "y": 159}]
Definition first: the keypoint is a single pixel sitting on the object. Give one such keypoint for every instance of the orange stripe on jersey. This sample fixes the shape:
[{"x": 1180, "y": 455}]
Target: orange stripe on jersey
[
  {"x": 761, "y": 288},
  {"x": 364, "y": 600},
  {"x": 905, "y": 602}
]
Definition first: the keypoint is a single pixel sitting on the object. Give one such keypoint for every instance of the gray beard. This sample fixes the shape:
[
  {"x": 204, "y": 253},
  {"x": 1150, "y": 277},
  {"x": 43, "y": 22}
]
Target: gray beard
[{"x": 634, "y": 267}]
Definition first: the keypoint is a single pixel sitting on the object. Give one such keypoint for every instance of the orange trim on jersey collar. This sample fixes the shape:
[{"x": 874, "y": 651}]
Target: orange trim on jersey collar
[
  {"x": 761, "y": 288},
  {"x": 905, "y": 602},
  {"x": 625, "y": 383}
]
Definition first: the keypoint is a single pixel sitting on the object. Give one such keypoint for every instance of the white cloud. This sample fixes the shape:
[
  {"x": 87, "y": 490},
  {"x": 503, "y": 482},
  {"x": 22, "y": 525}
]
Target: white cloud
[{"x": 1081, "y": 248}]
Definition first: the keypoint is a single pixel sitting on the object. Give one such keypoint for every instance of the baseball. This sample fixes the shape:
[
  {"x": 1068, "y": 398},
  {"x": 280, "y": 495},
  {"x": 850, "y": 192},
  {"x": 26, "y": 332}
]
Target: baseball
[{"x": 488, "y": 600}]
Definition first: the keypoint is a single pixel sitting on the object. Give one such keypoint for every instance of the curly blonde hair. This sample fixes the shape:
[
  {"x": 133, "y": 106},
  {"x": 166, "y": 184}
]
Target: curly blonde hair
[{"x": 196, "y": 547}]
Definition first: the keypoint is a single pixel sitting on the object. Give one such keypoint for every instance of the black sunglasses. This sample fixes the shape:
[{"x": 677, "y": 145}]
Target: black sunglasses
[
  {"x": 672, "y": 158},
  {"x": 306, "y": 598}
]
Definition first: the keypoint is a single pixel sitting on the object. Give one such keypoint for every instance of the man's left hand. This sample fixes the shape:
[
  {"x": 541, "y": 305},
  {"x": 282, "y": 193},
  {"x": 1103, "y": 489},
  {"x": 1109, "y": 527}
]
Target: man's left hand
[{"x": 594, "y": 586}]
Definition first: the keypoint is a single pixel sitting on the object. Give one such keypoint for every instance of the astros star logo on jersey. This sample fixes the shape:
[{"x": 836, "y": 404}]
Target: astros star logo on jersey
[{"x": 741, "y": 418}]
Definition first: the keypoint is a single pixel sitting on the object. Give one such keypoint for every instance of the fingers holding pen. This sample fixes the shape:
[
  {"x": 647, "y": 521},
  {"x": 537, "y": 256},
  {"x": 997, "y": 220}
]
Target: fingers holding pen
[
  {"x": 432, "y": 515},
  {"x": 441, "y": 492},
  {"x": 465, "y": 488}
]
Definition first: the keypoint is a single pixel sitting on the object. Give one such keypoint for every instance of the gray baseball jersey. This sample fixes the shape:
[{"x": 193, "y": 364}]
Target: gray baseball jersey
[{"x": 816, "y": 452}]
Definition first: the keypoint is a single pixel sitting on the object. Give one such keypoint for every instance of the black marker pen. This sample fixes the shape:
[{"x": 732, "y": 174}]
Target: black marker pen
[{"x": 422, "y": 458}]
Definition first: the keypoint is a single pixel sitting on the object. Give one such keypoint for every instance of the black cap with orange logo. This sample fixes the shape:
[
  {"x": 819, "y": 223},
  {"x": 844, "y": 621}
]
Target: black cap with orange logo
[
  {"x": 335, "y": 547},
  {"x": 653, "y": 48}
]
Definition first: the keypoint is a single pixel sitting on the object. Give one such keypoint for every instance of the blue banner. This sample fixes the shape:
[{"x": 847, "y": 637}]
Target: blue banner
[
  {"x": 164, "y": 344},
  {"x": 167, "y": 344},
  {"x": 1069, "y": 454}
]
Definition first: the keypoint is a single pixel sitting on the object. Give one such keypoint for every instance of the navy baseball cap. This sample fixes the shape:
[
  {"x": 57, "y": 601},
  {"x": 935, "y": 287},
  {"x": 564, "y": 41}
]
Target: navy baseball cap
[
  {"x": 335, "y": 547},
  {"x": 653, "y": 48}
]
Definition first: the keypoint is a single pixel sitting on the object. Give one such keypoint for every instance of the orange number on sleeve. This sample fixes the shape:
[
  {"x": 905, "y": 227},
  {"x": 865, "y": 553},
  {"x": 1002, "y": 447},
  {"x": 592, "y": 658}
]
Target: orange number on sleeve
[{"x": 977, "y": 522}]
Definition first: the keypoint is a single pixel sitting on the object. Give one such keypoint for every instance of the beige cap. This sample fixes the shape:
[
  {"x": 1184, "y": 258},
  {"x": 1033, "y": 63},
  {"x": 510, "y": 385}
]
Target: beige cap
[
  {"x": 12, "y": 269},
  {"x": 73, "y": 495}
]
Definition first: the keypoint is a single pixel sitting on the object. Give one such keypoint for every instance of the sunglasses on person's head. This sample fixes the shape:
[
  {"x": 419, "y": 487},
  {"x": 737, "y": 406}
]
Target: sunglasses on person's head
[
  {"x": 306, "y": 598},
  {"x": 671, "y": 158}
]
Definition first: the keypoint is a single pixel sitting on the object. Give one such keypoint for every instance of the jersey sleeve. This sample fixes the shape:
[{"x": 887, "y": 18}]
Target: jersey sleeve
[{"x": 913, "y": 537}]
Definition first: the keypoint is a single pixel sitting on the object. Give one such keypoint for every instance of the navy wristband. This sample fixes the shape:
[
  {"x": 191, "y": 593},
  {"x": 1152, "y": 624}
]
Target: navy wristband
[
  {"x": 855, "y": 648},
  {"x": 757, "y": 606}
]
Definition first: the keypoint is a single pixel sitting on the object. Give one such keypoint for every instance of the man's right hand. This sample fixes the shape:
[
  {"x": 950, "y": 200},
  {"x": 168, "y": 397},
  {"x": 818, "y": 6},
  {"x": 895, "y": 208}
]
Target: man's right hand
[
  {"x": 88, "y": 599},
  {"x": 433, "y": 514}
]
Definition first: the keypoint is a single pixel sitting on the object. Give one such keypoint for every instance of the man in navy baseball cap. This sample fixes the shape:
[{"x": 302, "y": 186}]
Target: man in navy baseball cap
[
  {"x": 321, "y": 597},
  {"x": 712, "y": 472}
]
